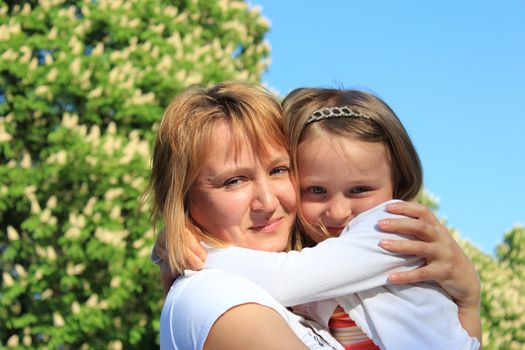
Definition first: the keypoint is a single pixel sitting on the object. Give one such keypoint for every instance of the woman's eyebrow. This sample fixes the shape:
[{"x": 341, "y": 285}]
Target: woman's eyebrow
[
  {"x": 220, "y": 176},
  {"x": 280, "y": 160}
]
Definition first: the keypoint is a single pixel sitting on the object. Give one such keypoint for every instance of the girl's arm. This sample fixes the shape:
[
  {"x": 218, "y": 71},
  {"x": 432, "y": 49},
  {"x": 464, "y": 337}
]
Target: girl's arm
[
  {"x": 446, "y": 264},
  {"x": 335, "y": 267}
]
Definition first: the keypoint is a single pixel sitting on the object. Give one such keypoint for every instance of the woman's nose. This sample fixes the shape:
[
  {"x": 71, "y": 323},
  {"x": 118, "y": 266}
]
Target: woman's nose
[{"x": 265, "y": 198}]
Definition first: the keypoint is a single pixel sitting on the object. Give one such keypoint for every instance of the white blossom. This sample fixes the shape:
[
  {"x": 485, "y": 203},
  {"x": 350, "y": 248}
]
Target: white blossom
[
  {"x": 52, "y": 202},
  {"x": 97, "y": 92},
  {"x": 52, "y": 35},
  {"x": 73, "y": 232},
  {"x": 26, "y": 54},
  {"x": 52, "y": 75},
  {"x": 88, "y": 209},
  {"x": 42, "y": 90},
  {"x": 94, "y": 135},
  {"x": 98, "y": 50},
  {"x": 12, "y": 235},
  {"x": 7, "y": 279},
  {"x": 114, "y": 238},
  {"x": 92, "y": 301},
  {"x": 33, "y": 65},
  {"x": 113, "y": 193},
  {"x": 58, "y": 320},
  {"x": 20, "y": 271},
  {"x": 46, "y": 294},
  {"x": 48, "y": 59},
  {"x": 75, "y": 307},
  {"x": 60, "y": 157},
  {"x": 13, "y": 341},
  {"x": 27, "y": 340},
  {"x": 112, "y": 128},
  {"x": 115, "y": 345},
  {"x": 75, "y": 66},
  {"x": 69, "y": 121},
  {"x": 51, "y": 253},
  {"x": 40, "y": 251},
  {"x": 115, "y": 282},
  {"x": 115, "y": 213},
  {"x": 45, "y": 215}
]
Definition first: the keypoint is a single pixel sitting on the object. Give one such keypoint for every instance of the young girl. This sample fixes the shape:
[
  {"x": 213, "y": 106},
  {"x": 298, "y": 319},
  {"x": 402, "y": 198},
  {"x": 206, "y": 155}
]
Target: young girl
[{"x": 351, "y": 154}]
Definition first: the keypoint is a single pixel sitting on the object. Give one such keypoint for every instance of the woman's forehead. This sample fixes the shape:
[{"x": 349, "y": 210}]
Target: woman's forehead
[{"x": 236, "y": 140}]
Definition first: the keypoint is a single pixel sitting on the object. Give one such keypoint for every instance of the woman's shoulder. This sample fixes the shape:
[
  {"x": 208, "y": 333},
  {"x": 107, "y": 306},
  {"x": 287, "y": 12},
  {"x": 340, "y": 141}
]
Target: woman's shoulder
[
  {"x": 197, "y": 299},
  {"x": 209, "y": 285}
]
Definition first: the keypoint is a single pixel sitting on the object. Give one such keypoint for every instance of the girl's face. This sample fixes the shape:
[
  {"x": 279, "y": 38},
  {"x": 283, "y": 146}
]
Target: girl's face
[
  {"x": 242, "y": 199},
  {"x": 339, "y": 179}
]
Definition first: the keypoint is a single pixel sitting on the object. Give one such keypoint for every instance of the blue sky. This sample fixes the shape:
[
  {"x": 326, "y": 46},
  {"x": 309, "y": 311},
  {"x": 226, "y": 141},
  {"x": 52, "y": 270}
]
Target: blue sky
[{"x": 454, "y": 72}]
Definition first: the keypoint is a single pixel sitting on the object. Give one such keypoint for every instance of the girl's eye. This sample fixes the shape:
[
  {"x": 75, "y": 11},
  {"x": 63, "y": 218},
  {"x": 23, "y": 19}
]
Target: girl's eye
[
  {"x": 279, "y": 170},
  {"x": 359, "y": 189},
  {"x": 316, "y": 190}
]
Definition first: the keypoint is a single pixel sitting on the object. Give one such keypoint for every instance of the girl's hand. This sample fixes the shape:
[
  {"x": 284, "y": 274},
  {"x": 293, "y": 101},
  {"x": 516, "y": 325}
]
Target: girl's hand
[
  {"x": 447, "y": 264},
  {"x": 196, "y": 257}
]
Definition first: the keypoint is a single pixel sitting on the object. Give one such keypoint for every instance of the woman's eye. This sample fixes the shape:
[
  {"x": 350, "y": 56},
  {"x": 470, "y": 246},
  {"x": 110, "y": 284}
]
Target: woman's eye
[
  {"x": 316, "y": 190},
  {"x": 279, "y": 170},
  {"x": 234, "y": 181},
  {"x": 359, "y": 189}
]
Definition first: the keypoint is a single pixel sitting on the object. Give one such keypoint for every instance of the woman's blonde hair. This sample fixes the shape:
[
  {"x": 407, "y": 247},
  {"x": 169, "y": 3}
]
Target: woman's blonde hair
[
  {"x": 184, "y": 141},
  {"x": 380, "y": 125}
]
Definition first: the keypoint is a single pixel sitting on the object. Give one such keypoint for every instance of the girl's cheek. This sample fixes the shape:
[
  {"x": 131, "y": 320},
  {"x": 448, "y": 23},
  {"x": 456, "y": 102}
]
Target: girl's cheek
[{"x": 311, "y": 212}]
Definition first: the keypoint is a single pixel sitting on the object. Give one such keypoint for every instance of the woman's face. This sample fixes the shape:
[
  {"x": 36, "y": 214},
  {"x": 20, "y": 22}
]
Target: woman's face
[{"x": 242, "y": 199}]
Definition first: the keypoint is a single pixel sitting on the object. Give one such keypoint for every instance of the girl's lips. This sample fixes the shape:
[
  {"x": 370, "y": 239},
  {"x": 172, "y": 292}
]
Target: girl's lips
[
  {"x": 335, "y": 230},
  {"x": 268, "y": 226}
]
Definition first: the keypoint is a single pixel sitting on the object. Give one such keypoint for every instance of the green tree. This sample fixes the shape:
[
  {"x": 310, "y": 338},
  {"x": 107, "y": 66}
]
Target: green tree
[
  {"x": 83, "y": 85},
  {"x": 503, "y": 297}
]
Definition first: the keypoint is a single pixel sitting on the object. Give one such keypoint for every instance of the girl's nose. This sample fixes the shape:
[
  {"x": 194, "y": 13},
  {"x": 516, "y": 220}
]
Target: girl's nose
[{"x": 339, "y": 211}]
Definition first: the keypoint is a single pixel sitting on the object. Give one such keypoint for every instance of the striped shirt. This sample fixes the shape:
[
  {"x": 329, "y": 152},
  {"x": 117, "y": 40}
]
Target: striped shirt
[{"x": 344, "y": 329}]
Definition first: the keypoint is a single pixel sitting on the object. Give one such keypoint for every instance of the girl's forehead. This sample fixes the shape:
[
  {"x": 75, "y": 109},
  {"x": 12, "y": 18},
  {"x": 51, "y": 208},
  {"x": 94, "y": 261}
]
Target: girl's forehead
[{"x": 339, "y": 152}]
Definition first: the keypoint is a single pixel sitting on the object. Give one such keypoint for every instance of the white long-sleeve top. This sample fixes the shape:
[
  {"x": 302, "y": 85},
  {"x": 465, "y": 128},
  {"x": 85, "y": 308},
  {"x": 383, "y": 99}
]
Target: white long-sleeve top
[{"x": 352, "y": 270}]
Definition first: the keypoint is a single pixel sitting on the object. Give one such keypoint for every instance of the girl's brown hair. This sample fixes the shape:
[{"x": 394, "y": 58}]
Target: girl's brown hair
[{"x": 380, "y": 125}]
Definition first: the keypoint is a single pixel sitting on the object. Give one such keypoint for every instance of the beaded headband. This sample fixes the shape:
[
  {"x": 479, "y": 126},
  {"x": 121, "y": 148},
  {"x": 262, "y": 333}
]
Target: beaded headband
[{"x": 334, "y": 112}]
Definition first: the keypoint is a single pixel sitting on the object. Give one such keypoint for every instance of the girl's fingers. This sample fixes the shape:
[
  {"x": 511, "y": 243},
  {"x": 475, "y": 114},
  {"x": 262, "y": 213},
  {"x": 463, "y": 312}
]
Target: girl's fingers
[
  {"x": 160, "y": 249},
  {"x": 195, "y": 262},
  {"x": 414, "y": 227},
  {"x": 416, "y": 248},
  {"x": 195, "y": 247},
  {"x": 413, "y": 210},
  {"x": 418, "y": 275}
]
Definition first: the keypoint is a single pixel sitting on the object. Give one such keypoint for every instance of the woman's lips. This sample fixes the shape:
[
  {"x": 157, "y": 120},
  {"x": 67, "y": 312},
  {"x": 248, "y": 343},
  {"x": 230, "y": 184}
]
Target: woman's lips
[{"x": 268, "y": 226}]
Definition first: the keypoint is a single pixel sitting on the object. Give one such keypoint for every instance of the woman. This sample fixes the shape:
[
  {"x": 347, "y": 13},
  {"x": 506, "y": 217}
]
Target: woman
[{"x": 220, "y": 168}]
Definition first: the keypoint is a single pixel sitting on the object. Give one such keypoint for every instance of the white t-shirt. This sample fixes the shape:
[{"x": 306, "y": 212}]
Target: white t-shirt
[
  {"x": 352, "y": 270},
  {"x": 197, "y": 299}
]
